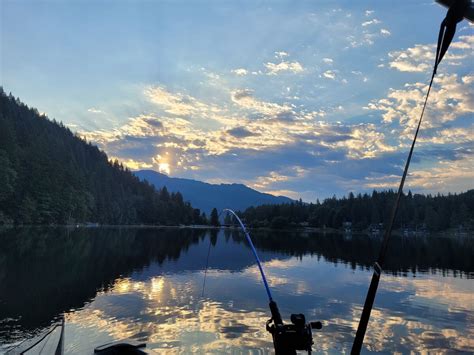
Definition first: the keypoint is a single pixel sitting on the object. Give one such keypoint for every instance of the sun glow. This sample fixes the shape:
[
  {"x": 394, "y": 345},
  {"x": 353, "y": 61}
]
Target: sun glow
[{"x": 164, "y": 168}]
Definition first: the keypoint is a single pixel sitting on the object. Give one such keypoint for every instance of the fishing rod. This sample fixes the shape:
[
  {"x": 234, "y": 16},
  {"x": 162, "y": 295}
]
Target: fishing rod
[
  {"x": 458, "y": 10},
  {"x": 287, "y": 338}
]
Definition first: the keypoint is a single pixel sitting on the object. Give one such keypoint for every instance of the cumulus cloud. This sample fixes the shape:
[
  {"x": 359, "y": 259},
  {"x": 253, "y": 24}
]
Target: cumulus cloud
[
  {"x": 385, "y": 32},
  {"x": 255, "y": 138},
  {"x": 365, "y": 141},
  {"x": 444, "y": 136},
  {"x": 468, "y": 79},
  {"x": 328, "y": 60},
  {"x": 281, "y": 54},
  {"x": 420, "y": 58},
  {"x": 284, "y": 66},
  {"x": 329, "y": 74},
  {"x": 166, "y": 141},
  {"x": 94, "y": 110},
  {"x": 415, "y": 59},
  {"x": 450, "y": 98},
  {"x": 240, "y": 71},
  {"x": 371, "y": 22}
]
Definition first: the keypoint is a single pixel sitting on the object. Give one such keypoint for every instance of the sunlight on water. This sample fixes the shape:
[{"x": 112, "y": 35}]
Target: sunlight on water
[{"x": 155, "y": 294}]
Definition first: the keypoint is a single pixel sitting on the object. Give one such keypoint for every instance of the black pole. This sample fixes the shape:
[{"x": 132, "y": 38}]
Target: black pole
[
  {"x": 374, "y": 283},
  {"x": 456, "y": 13}
]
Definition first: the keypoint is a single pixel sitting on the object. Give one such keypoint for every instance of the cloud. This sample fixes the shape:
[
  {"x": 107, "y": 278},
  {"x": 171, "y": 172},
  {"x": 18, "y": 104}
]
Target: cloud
[
  {"x": 329, "y": 74},
  {"x": 450, "y": 98},
  {"x": 176, "y": 104},
  {"x": 371, "y": 22},
  {"x": 133, "y": 164},
  {"x": 240, "y": 132},
  {"x": 365, "y": 38},
  {"x": 415, "y": 59},
  {"x": 247, "y": 138},
  {"x": 369, "y": 12},
  {"x": 441, "y": 177},
  {"x": 172, "y": 144},
  {"x": 365, "y": 141},
  {"x": 367, "y": 33},
  {"x": 444, "y": 136},
  {"x": 186, "y": 106},
  {"x": 244, "y": 98},
  {"x": 328, "y": 60},
  {"x": 284, "y": 66},
  {"x": 281, "y": 54},
  {"x": 420, "y": 58},
  {"x": 94, "y": 110},
  {"x": 240, "y": 71},
  {"x": 468, "y": 79},
  {"x": 262, "y": 182}
]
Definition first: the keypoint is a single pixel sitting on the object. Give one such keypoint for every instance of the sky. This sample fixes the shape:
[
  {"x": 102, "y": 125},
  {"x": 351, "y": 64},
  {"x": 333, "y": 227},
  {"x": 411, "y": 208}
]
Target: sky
[{"x": 305, "y": 99}]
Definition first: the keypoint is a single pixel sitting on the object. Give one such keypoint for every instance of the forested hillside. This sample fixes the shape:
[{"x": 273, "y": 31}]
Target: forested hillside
[
  {"x": 208, "y": 196},
  {"x": 416, "y": 211},
  {"x": 49, "y": 175}
]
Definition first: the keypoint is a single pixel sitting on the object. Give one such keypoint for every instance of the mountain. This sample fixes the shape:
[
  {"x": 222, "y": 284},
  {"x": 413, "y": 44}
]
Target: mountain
[
  {"x": 207, "y": 196},
  {"x": 49, "y": 175}
]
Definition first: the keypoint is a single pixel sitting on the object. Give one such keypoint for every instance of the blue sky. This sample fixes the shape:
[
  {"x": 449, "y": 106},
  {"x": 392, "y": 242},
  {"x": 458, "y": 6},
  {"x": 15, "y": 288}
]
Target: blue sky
[{"x": 306, "y": 99}]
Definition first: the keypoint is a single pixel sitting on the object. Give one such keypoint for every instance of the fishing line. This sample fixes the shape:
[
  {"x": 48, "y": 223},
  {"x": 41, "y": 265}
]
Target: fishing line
[{"x": 207, "y": 259}]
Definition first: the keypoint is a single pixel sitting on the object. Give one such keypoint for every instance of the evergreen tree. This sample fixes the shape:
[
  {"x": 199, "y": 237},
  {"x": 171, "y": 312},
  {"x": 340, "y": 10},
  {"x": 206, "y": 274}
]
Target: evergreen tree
[
  {"x": 436, "y": 212},
  {"x": 49, "y": 175},
  {"x": 214, "y": 218}
]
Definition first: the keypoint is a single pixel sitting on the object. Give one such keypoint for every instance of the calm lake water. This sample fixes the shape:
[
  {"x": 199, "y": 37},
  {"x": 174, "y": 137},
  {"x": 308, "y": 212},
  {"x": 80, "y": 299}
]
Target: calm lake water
[{"x": 147, "y": 284}]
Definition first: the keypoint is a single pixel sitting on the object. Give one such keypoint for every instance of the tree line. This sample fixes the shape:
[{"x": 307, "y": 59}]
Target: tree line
[
  {"x": 364, "y": 211},
  {"x": 49, "y": 175}
]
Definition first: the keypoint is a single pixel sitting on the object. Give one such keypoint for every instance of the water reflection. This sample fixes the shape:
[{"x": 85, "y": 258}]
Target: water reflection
[{"x": 147, "y": 284}]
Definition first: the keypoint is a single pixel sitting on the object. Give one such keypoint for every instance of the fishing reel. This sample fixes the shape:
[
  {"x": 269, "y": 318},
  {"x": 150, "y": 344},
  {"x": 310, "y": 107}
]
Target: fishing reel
[{"x": 288, "y": 338}]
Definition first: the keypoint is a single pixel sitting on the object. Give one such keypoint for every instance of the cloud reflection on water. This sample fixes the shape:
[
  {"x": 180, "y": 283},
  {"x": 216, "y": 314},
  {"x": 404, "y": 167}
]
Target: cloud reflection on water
[
  {"x": 411, "y": 314},
  {"x": 146, "y": 283}
]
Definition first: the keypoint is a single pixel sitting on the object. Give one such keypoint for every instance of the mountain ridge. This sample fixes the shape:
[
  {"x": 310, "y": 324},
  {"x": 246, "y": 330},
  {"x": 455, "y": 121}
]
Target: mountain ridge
[{"x": 205, "y": 196}]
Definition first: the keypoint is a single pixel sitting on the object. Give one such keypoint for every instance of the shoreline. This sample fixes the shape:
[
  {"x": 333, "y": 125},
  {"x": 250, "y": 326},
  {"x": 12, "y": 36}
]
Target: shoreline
[{"x": 399, "y": 232}]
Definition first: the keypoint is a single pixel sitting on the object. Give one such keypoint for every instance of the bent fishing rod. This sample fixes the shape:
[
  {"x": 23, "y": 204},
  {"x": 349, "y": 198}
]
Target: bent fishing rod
[
  {"x": 458, "y": 10},
  {"x": 287, "y": 338}
]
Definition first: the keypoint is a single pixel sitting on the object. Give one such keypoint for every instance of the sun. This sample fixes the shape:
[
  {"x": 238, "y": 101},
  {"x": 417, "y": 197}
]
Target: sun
[{"x": 164, "y": 168}]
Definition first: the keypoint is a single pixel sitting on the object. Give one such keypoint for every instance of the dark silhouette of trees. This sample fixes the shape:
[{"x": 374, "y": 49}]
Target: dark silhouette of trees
[
  {"x": 49, "y": 175},
  {"x": 214, "y": 218},
  {"x": 417, "y": 211}
]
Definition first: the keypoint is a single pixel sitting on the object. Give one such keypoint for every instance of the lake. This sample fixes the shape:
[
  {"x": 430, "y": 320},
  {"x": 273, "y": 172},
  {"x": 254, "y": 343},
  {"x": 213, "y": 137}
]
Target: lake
[{"x": 151, "y": 284}]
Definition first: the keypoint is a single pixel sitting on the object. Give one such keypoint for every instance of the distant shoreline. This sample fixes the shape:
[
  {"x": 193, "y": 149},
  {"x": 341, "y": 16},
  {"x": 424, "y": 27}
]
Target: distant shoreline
[{"x": 398, "y": 232}]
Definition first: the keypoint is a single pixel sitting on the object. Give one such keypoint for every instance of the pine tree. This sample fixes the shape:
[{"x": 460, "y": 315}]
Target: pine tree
[{"x": 214, "y": 218}]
